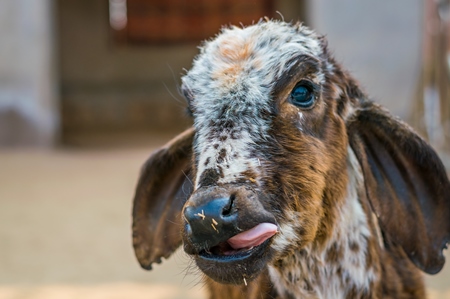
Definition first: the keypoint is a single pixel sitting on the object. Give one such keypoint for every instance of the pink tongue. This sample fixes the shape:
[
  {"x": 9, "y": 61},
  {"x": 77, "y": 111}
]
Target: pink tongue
[{"x": 253, "y": 237}]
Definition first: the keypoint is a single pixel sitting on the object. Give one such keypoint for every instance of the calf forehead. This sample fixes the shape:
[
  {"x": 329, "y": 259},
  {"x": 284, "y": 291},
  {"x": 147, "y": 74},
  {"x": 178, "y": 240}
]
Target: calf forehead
[{"x": 247, "y": 59}]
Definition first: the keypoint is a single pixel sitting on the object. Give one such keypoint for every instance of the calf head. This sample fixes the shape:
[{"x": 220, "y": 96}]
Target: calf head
[{"x": 263, "y": 169}]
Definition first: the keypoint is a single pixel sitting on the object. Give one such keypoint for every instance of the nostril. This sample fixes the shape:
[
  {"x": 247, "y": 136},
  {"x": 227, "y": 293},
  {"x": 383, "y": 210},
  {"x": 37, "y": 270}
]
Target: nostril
[{"x": 226, "y": 211}]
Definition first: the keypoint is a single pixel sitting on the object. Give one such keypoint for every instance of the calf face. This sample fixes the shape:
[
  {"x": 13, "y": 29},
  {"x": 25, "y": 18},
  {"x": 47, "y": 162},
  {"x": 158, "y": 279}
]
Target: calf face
[
  {"x": 267, "y": 140},
  {"x": 263, "y": 172}
]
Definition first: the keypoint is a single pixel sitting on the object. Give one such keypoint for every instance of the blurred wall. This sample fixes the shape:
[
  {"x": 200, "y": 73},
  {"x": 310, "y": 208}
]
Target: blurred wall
[
  {"x": 112, "y": 87},
  {"x": 108, "y": 87},
  {"x": 28, "y": 101},
  {"x": 379, "y": 42},
  {"x": 103, "y": 86}
]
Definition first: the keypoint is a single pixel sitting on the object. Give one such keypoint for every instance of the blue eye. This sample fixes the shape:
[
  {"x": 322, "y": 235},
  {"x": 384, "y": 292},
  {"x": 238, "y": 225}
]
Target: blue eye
[{"x": 302, "y": 96}]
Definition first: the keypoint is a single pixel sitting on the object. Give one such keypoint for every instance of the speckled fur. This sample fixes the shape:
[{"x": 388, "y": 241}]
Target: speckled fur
[
  {"x": 230, "y": 85},
  {"x": 316, "y": 172},
  {"x": 341, "y": 266}
]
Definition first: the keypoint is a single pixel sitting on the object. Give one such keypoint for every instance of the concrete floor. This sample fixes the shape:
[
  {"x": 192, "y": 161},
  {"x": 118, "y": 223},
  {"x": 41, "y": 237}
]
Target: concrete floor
[
  {"x": 65, "y": 219},
  {"x": 65, "y": 230}
]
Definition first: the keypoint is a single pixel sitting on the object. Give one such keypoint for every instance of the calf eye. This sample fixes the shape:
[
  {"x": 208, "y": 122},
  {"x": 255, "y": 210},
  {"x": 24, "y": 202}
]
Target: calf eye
[{"x": 302, "y": 96}]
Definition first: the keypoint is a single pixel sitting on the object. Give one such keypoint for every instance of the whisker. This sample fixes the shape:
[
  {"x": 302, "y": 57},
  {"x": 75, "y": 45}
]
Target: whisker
[{"x": 187, "y": 177}]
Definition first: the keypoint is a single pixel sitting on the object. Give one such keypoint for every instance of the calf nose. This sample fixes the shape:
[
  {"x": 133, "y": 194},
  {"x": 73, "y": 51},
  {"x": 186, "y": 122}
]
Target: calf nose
[{"x": 212, "y": 222}]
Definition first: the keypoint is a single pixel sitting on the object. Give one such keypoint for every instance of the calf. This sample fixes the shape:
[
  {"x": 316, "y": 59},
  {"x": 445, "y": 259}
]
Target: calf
[{"x": 291, "y": 182}]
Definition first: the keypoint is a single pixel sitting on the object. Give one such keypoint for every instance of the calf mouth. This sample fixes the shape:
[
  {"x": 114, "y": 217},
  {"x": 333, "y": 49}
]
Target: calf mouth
[{"x": 239, "y": 259}]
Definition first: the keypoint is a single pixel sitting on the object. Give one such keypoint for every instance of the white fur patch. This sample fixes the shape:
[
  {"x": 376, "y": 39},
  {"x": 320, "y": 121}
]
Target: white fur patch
[
  {"x": 235, "y": 162},
  {"x": 287, "y": 234}
]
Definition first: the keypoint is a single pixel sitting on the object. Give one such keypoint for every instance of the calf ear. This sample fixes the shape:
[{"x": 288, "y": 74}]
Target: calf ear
[
  {"x": 163, "y": 188},
  {"x": 406, "y": 184}
]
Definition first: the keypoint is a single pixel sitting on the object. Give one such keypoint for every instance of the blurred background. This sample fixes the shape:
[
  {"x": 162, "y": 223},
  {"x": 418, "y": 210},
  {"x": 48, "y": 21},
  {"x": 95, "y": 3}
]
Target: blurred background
[{"x": 88, "y": 89}]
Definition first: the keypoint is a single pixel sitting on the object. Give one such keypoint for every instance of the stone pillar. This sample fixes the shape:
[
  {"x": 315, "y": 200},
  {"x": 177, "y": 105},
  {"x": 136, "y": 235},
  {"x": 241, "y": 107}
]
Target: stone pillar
[{"x": 29, "y": 114}]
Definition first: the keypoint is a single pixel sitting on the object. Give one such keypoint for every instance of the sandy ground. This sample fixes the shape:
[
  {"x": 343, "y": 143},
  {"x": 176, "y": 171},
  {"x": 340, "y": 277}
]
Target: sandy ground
[{"x": 65, "y": 230}]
